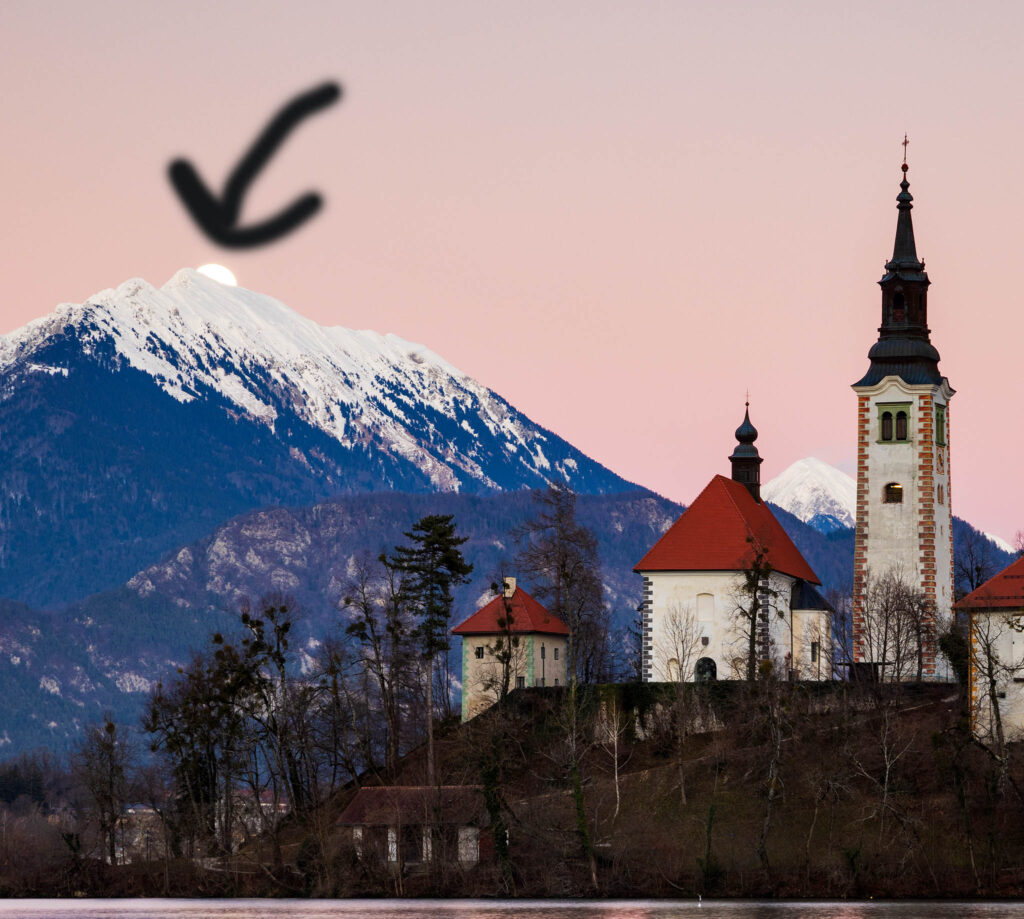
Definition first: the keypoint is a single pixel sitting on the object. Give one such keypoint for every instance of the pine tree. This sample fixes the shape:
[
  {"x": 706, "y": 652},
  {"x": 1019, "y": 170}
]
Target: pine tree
[{"x": 431, "y": 566}]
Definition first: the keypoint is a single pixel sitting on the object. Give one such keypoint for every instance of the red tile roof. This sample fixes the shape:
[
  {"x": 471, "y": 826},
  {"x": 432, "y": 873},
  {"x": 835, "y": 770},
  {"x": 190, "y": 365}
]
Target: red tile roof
[
  {"x": 527, "y": 616},
  {"x": 720, "y": 532},
  {"x": 1004, "y": 591}
]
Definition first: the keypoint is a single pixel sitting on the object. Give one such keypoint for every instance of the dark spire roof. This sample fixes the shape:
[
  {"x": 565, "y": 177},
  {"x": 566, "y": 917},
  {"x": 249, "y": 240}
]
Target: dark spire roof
[
  {"x": 904, "y": 262},
  {"x": 904, "y": 347},
  {"x": 746, "y": 461},
  {"x": 746, "y": 433}
]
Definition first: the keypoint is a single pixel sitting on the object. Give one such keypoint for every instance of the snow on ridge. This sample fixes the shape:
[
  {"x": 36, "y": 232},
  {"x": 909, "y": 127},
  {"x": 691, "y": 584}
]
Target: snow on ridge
[
  {"x": 810, "y": 487},
  {"x": 1000, "y": 542},
  {"x": 195, "y": 334}
]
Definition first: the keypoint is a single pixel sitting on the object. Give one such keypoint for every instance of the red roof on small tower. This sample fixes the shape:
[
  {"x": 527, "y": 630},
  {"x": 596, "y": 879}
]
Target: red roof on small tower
[
  {"x": 527, "y": 616},
  {"x": 1004, "y": 591},
  {"x": 720, "y": 531}
]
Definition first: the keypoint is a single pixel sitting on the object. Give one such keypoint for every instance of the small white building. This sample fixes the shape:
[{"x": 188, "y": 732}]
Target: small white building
[
  {"x": 995, "y": 614},
  {"x": 511, "y": 637},
  {"x": 694, "y": 587}
]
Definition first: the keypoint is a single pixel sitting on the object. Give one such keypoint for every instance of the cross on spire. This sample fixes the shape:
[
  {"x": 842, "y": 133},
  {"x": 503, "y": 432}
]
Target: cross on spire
[{"x": 905, "y": 142}]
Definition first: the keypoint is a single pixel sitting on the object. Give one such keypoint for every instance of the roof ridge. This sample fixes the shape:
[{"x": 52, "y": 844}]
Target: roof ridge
[{"x": 752, "y": 537}]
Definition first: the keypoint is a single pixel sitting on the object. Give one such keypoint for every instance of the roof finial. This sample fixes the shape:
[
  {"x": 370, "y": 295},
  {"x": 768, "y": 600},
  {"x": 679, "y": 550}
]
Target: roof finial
[{"x": 905, "y": 142}]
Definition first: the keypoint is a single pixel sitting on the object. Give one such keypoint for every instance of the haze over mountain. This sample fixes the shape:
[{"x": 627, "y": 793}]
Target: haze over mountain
[{"x": 139, "y": 420}]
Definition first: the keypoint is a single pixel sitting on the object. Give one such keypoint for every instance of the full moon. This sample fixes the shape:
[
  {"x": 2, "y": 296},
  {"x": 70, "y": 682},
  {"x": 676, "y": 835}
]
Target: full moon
[{"x": 220, "y": 274}]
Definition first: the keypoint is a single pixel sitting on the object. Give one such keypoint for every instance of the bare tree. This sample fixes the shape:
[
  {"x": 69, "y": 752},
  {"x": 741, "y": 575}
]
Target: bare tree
[
  {"x": 898, "y": 626},
  {"x": 974, "y": 560},
  {"x": 559, "y": 557},
  {"x": 382, "y": 628},
  {"x": 101, "y": 765},
  {"x": 507, "y": 653},
  {"x": 679, "y": 643},
  {"x": 753, "y": 598},
  {"x": 995, "y": 661}
]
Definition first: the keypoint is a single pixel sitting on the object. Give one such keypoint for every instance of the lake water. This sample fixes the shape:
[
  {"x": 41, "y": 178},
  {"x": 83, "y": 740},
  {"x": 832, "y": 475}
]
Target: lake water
[{"x": 491, "y": 909}]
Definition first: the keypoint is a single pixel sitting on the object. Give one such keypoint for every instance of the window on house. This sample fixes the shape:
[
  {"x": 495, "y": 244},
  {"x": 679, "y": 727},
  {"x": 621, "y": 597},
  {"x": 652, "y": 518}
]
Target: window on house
[
  {"x": 886, "y": 425},
  {"x": 556, "y": 681},
  {"x": 940, "y": 425},
  {"x": 893, "y": 494},
  {"x": 901, "y": 425},
  {"x": 815, "y": 650},
  {"x": 704, "y": 641},
  {"x": 479, "y": 651},
  {"x": 940, "y": 495},
  {"x": 520, "y": 682},
  {"x": 556, "y": 654}
]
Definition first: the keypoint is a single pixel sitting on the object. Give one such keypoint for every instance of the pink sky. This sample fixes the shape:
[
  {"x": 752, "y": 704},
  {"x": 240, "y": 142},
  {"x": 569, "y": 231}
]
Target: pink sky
[{"x": 618, "y": 216}]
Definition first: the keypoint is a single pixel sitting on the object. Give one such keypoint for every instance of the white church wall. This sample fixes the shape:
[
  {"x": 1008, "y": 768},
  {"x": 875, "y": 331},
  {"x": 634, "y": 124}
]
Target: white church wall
[{"x": 693, "y": 615}]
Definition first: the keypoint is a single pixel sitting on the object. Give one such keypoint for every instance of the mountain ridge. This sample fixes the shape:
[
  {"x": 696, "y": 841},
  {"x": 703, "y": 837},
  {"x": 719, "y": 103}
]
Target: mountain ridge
[{"x": 137, "y": 421}]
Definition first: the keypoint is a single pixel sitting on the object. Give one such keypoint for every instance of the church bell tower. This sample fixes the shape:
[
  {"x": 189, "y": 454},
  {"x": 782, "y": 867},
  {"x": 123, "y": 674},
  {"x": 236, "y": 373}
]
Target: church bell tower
[{"x": 904, "y": 520}]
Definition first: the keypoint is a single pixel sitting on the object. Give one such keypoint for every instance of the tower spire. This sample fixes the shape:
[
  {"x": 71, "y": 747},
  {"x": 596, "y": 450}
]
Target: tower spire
[
  {"x": 904, "y": 347},
  {"x": 746, "y": 461},
  {"x": 904, "y": 250}
]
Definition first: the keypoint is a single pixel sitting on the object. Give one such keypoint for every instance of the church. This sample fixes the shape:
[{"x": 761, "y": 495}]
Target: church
[
  {"x": 703, "y": 616},
  {"x": 904, "y": 516},
  {"x": 697, "y": 621}
]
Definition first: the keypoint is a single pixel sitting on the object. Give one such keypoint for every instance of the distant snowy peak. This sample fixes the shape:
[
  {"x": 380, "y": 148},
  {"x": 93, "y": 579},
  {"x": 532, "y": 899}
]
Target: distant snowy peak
[
  {"x": 812, "y": 489},
  {"x": 201, "y": 340}
]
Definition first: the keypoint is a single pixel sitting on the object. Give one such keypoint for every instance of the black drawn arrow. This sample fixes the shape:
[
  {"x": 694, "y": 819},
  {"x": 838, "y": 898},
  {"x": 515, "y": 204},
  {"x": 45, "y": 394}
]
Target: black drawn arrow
[{"x": 218, "y": 218}]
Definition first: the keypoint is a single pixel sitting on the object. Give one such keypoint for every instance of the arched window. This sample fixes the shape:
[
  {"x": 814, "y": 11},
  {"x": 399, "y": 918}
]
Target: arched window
[
  {"x": 886, "y": 425},
  {"x": 899, "y": 308},
  {"x": 893, "y": 494},
  {"x": 673, "y": 670},
  {"x": 705, "y": 670},
  {"x": 901, "y": 425}
]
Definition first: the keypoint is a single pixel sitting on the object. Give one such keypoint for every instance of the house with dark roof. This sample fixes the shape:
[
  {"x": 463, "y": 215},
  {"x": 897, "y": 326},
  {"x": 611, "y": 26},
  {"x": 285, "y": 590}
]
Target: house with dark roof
[
  {"x": 509, "y": 643},
  {"x": 995, "y": 615},
  {"x": 408, "y": 827},
  {"x": 693, "y": 586}
]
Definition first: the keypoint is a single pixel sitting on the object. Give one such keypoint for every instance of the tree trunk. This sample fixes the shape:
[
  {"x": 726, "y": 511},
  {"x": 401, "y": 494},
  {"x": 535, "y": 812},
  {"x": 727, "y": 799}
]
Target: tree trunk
[{"x": 431, "y": 772}]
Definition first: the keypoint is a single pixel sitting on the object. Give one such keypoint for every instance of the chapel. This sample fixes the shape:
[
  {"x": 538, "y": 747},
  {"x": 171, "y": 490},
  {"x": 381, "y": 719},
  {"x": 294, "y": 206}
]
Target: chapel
[{"x": 696, "y": 587}]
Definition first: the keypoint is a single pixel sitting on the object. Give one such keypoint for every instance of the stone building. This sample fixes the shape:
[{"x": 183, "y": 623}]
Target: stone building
[
  {"x": 904, "y": 517},
  {"x": 411, "y": 827},
  {"x": 995, "y": 615},
  {"x": 694, "y": 586},
  {"x": 513, "y": 636}
]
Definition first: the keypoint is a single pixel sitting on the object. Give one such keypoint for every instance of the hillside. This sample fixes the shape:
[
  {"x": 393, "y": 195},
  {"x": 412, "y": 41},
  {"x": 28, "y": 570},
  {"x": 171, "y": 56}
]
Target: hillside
[{"x": 821, "y": 791}]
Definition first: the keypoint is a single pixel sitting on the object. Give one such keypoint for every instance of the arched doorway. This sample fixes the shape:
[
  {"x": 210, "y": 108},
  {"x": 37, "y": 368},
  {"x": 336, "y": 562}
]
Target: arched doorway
[{"x": 705, "y": 670}]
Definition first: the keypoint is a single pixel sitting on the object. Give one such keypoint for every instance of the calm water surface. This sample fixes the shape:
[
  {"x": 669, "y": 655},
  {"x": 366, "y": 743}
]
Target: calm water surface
[{"x": 492, "y": 909}]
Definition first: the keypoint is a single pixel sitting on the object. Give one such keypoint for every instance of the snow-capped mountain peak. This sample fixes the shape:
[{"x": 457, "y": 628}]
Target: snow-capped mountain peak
[
  {"x": 201, "y": 340},
  {"x": 811, "y": 489}
]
